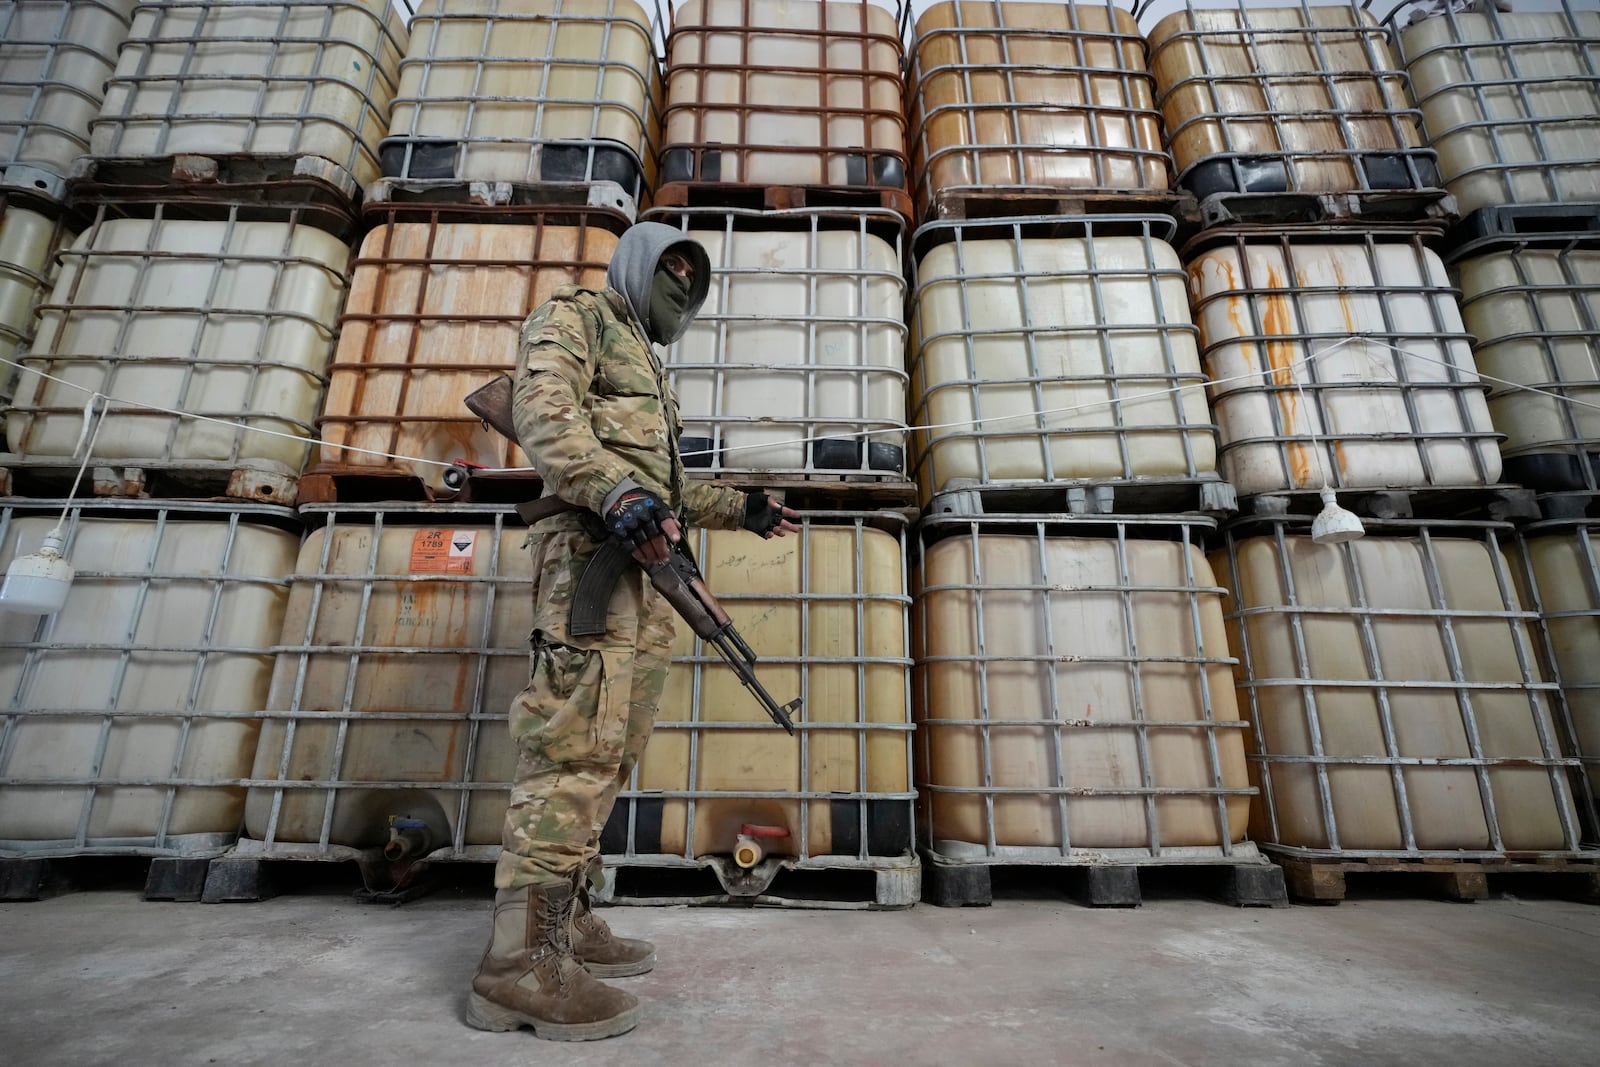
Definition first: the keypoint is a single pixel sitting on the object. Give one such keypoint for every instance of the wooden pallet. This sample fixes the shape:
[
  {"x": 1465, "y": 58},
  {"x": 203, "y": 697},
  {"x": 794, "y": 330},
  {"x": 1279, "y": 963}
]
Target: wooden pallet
[
  {"x": 824, "y": 882},
  {"x": 1323, "y": 880},
  {"x": 827, "y": 492},
  {"x": 1498, "y": 503},
  {"x": 1095, "y": 881},
  {"x": 1001, "y": 202},
  {"x": 390, "y": 197},
  {"x": 780, "y": 197},
  {"x": 378, "y": 485},
  {"x": 266, "y": 484},
  {"x": 1211, "y": 496}
]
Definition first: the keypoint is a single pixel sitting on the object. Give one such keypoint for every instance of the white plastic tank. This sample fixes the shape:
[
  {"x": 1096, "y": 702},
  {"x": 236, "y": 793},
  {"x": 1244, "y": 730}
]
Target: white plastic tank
[
  {"x": 1511, "y": 102},
  {"x": 233, "y": 320},
  {"x": 1562, "y": 582},
  {"x": 1072, "y": 690},
  {"x": 1535, "y": 311},
  {"x": 54, "y": 62},
  {"x": 1007, "y": 95},
  {"x": 784, "y": 93},
  {"x": 405, "y": 640},
  {"x": 29, "y": 242},
  {"x": 528, "y": 91},
  {"x": 1396, "y": 702},
  {"x": 288, "y": 79},
  {"x": 1046, "y": 353},
  {"x": 130, "y": 716},
  {"x": 1339, "y": 362},
  {"x": 435, "y": 311},
  {"x": 796, "y": 361},
  {"x": 825, "y": 612}
]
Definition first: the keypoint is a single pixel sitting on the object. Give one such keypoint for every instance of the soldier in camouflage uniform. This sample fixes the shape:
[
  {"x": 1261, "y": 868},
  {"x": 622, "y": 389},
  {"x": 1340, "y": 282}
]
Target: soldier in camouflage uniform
[{"x": 595, "y": 413}]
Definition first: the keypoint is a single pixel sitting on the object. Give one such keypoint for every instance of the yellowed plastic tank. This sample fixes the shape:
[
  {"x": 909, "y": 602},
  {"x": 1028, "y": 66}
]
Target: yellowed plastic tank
[
  {"x": 528, "y": 91},
  {"x": 288, "y": 79},
  {"x": 1061, "y": 682},
  {"x": 796, "y": 362},
  {"x": 401, "y": 651},
  {"x": 232, "y": 320},
  {"x": 1344, "y": 362},
  {"x": 131, "y": 715},
  {"x": 1299, "y": 99},
  {"x": 435, "y": 311},
  {"x": 1045, "y": 358},
  {"x": 56, "y": 58},
  {"x": 28, "y": 245},
  {"x": 1534, "y": 311},
  {"x": 1511, "y": 102},
  {"x": 784, "y": 93},
  {"x": 1027, "y": 96},
  {"x": 1563, "y": 562},
  {"x": 825, "y": 612},
  {"x": 1394, "y": 693}
]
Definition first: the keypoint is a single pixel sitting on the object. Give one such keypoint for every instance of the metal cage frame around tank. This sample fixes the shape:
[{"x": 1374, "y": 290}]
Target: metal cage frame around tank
[
  {"x": 1277, "y": 381},
  {"x": 494, "y": 518},
  {"x": 363, "y": 90},
  {"x": 712, "y": 457},
  {"x": 17, "y": 173},
  {"x": 1581, "y": 453},
  {"x": 881, "y": 167},
  {"x": 1150, "y": 229},
  {"x": 20, "y": 335},
  {"x": 205, "y": 311},
  {"x": 399, "y": 150},
  {"x": 1545, "y": 163},
  {"x": 1584, "y": 537},
  {"x": 1081, "y": 72},
  {"x": 1419, "y": 164},
  {"x": 1190, "y": 530},
  {"x": 186, "y": 708},
  {"x": 625, "y": 821},
  {"x": 1522, "y": 624}
]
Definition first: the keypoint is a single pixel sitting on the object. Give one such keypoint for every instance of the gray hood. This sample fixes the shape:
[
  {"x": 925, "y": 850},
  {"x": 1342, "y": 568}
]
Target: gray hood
[{"x": 633, "y": 268}]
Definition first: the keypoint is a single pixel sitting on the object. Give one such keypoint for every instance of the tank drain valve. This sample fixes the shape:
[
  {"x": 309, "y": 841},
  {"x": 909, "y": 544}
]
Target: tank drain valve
[
  {"x": 408, "y": 838},
  {"x": 747, "y": 848}
]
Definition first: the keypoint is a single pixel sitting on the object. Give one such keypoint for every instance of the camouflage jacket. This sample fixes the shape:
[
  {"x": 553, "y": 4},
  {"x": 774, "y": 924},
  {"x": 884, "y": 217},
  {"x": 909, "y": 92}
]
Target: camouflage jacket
[{"x": 593, "y": 406}]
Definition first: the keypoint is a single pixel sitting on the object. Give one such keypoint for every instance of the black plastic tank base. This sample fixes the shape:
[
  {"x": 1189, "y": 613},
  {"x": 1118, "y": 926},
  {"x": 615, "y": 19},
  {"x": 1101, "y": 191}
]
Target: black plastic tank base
[
  {"x": 682, "y": 165},
  {"x": 697, "y": 452},
  {"x": 888, "y": 827},
  {"x": 590, "y": 163},
  {"x": 406, "y": 157},
  {"x": 1270, "y": 174},
  {"x": 646, "y": 814},
  {"x": 1553, "y": 472},
  {"x": 844, "y": 454}
]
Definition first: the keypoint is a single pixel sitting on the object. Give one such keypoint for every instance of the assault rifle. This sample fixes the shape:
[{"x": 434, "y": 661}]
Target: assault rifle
[{"x": 678, "y": 578}]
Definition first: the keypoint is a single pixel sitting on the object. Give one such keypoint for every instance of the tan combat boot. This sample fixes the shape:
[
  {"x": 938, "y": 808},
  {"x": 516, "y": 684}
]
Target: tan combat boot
[
  {"x": 529, "y": 976},
  {"x": 603, "y": 953}
]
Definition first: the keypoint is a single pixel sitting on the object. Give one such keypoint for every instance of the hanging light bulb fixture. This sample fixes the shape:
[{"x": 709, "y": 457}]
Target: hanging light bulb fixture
[
  {"x": 1333, "y": 525},
  {"x": 38, "y": 583}
]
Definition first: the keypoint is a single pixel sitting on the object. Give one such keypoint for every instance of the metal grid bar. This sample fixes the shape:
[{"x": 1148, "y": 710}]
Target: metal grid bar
[
  {"x": 101, "y": 658},
  {"x": 1305, "y": 727},
  {"x": 971, "y": 605},
  {"x": 970, "y": 424}
]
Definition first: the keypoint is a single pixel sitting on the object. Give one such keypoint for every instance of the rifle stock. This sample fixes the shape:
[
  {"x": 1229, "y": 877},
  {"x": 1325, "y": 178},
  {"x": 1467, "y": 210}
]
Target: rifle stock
[{"x": 492, "y": 404}]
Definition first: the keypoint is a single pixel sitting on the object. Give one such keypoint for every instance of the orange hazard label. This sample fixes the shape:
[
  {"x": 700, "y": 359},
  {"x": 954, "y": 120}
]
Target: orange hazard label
[{"x": 443, "y": 551}]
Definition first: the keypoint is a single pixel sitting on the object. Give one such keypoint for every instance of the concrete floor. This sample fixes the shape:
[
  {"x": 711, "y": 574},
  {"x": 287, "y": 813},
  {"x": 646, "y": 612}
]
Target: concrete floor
[{"x": 102, "y": 977}]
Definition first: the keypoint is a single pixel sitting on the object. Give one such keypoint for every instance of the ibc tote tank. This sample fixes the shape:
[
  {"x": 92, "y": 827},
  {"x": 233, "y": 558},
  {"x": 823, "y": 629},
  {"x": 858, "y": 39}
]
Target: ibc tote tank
[
  {"x": 796, "y": 362},
  {"x": 256, "y": 78},
  {"x": 1343, "y": 360},
  {"x": 1032, "y": 97},
  {"x": 1535, "y": 311},
  {"x": 528, "y": 91},
  {"x": 1051, "y": 350},
  {"x": 1395, "y": 703},
  {"x": 131, "y": 714},
  {"x": 435, "y": 310},
  {"x": 1072, "y": 691},
  {"x": 229, "y": 319},
  {"x": 405, "y": 639},
  {"x": 1511, "y": 102},
  {"x": 29, "y": 243}
]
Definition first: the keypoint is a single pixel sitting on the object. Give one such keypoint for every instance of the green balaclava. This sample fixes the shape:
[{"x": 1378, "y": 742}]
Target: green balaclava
[{"x": 669, "y": 302}]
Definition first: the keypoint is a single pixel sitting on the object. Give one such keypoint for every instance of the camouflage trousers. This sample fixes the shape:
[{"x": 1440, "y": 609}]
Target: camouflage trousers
[{"x": 582, "y": 723}]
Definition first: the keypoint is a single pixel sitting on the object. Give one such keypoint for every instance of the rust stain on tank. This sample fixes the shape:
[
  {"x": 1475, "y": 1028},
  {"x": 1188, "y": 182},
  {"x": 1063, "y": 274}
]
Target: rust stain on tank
[{"x": 1277, "y": 321}]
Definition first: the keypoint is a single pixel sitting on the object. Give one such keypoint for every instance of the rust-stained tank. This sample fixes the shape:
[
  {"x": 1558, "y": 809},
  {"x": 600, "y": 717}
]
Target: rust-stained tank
[
  {"x": 1396, "y": 703},
  {"x": 1016, "y": 97},
  {"x": 528, "y": 91},
  {"x": 435, "y": 310},
  {"x": 1292, "y": 99},
  {"x": 1511, "y": 101},
  {"x": 1341, "y": 362},
  {"x": 785, "y": 93}
]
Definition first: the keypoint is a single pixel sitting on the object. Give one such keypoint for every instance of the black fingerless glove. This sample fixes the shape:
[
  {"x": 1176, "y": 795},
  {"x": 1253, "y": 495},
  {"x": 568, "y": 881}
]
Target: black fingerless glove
[
  {"x": 760, "y": 517},
  {"x": 636, "y": 517}
]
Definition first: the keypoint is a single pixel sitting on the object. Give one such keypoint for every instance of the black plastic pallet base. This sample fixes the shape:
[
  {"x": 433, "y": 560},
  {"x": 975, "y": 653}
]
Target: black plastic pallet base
[
  {"x": 1253, "y": 885},
  {"x": 232, "y": 880},
  {"x": 1506, "y": 226},
  {"x": 23, "y": 879},
  {"x": 171, "y": 878}
]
